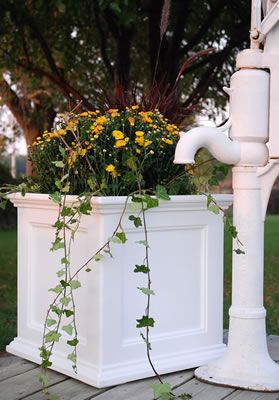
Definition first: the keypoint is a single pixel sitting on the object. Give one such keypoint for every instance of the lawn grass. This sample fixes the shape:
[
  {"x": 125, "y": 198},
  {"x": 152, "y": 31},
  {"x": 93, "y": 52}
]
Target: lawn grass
[
  {"x": 7, "y": 287},
  {"x": 8, "y": 280},
  {"x": 271, "y": 275}
]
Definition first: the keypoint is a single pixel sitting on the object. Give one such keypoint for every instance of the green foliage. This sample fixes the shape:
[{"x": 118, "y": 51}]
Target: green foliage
[
  {"x": 109, "y": 153},
  {"x": 145, "y": 321}
]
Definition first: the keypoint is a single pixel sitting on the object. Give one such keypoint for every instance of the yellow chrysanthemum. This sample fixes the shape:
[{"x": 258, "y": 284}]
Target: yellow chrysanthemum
[
  {"x": 167, "y": 141},
  {"x": 140, "y": 140},
  {"x": 121, "y": 143},
  {"x": 101, "y": 120},
  {"x": 117, "y": 134},
  {"x": 131, "y": 121},
  {"x": 147, "y": 143},
  {"x": 139, "y": 133},
  {"x": 114, "y": 112},
  {"x": 83, "y": 152},
  {"x": 110, "y": 168}
]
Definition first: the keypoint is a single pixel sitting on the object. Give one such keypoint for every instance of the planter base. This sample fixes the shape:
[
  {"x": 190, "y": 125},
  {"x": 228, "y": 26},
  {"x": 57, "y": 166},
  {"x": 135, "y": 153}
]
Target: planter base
[{"x": 122, "y": 372}]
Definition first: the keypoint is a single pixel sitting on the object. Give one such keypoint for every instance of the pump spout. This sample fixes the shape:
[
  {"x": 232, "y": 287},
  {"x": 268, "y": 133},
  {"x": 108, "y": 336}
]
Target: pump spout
[{"x": 219, "y": 145}]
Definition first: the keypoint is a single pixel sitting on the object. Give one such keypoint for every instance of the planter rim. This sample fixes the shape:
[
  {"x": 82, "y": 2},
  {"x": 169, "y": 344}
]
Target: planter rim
[{"x": 182, "y": 201}]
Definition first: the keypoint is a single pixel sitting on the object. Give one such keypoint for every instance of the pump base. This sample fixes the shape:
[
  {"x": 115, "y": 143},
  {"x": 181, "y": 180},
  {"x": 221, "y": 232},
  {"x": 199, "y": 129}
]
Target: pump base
[{"x": 261, "y": 381}]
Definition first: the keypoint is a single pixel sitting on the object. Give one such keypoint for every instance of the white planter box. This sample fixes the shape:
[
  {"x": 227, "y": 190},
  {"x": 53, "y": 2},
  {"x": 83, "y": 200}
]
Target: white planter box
[{"x": 186, "y": 255}]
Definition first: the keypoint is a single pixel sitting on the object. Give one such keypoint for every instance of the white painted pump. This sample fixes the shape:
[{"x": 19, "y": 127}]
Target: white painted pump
[{"x": 254, "y": 121}]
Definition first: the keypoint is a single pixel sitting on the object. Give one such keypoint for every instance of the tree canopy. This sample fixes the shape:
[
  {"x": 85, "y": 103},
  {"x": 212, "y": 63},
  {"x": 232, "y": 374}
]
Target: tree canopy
[{"x": 57, "y": 53}]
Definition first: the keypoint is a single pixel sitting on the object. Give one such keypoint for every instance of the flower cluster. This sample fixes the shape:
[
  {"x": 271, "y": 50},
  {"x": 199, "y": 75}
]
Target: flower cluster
[{"x": 115, "y": 150}]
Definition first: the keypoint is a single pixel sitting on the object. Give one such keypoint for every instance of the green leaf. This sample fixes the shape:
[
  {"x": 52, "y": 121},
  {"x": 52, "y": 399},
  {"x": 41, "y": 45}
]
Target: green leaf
[
  {"x": 146, "y": 291},
  {"x": 239, "y": 251},
  {"x": 46, "y": 364},
  {"x": 52, "y": 336},
  {"x": 56, "y": 289},
  {"x": 44, "y": 353},
  {"x": 132, "y": 163},
  {"x": 64, "y": 284},
  {"x": 121, "y": 236},
  {"x": 62, "y": 151},
  {"x": 72, "y": 357},
  {"x": 75, "y": 284},
  {"x": 161, "y": 388},
  {"x": 209, "y": 199},
  {"x": 3, "y": 204},
  {"x": 114, "y": 239},
  {"x": 185, "y": 396},
  {"x": 66, "y": 188},
  {"x": 66, "y": 212},
  {"x": 68, "y": 329},
  {"x": 74, "y": 342},
  {"x": 145, "y": 321},
  {"x": 57, "y": 244},
  {"x": 151, "y": 202},
  {"x": 161, "y": 193},
  {"x": 50, "y": 322},
  {"x": 98, "y": 257},
  {"x": 68, "y": 313},
  {"x": 144, "y": 242},
  {"x": 61, "y": 273},
  {"x": 232, "y": 230},
  {"x": 214, "y": 208},
  {"x": 64, "y": 260},
  {"x": 59, "y": 224},
  {"x": 55, "y": 197},
  {"x": 141, "y": 268},
  {"x": 65, "y": 301},
  {"x": 137, "y": 220},
  {"x": 88, "y": 269},
  {"x": 85, "y": 208},
  {"x": 56, "y": 310},
  {"x": 58, "y": 164}
]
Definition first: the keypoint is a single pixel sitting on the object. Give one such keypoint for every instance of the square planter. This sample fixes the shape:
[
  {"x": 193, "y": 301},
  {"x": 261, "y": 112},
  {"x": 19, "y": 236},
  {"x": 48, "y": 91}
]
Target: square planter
[{"x": 186, "y": 257}]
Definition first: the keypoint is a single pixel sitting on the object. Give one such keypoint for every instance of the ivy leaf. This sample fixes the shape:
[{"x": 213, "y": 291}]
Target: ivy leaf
[
  {"x": 46, "y": 364},
  {"x": 56, "y": 289},
  {"x": 141, "y": 268},
  {"x": 145, "y": 321},
  {"x": 132, "y": 163},
  {"x": 121, "y": 236},
  {"x": 185, "y": 396},
  {"x": 232, "y": 230},
  {"x": 72, "y": 358},
  {"x": 68, "y": 329},
  {"x": 57, "y": 244},
  {"x": 44, "y": 353},
  {"x": 58, "y": 224},
  {"x": 114, "y": 239},
  {"x": 52, "y": 336},
  {"x": 66, "y": 212},
  {"x": 209, "y": 199},
  {"x": 151, "y": 202},
  {"x": 66, "y": 188},
  {"x": 161, "y": 193},
  {"x": 60, "y": 273},
  {"x": 64, "y": 284},
  {"x": 74, "y": 342},
  {"x": 75, "y": 284},
  {"x": 214, "y": 208},
  {"x": 68, "y": 313},
  {"x": 144, "y": 242},
  {"x": 160, "y": 389},
  {"x": 56, "y": 310},
  {"x": 62, "y": 151},
  {"x": 50, "y": 322},
  {"x": 85, "y": 208},
  {"x": 42, "y": 377},
  {"x": 65, "y": 301},
  {"x": 136, "y": 220},
  {"x": 88, "y": 269},
  {"x": 146, "y": 291},
  {"x": 239, "y": 251},
  {"x": 98, "y": 257},
  {"x": 3, "y": 204}
]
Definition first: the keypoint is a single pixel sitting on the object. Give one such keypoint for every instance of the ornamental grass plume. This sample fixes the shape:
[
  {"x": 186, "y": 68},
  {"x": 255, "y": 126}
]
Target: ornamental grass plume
[{"x": 109, "y": 153}]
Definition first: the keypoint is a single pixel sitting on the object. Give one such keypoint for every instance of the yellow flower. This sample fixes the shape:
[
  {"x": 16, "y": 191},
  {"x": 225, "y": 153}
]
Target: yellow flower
[
  {"x": 151, "y": 152},
  {"x": 83, "y": 152},
  {"x": 118, "y": 135},
  {"x": 147, "y": 143},
  {"x": 83, "y": 114},
  {"x": 145, "y": 117},
  {"x": 110, "y": 168},
  {"x": 101, "y": 120},
  {"x": 140, "y": 140},
  {"x": 139, "y": 133},
  {"x": 132, "y": 121},
  {"x": 121, "y": 143},
  {"x": 138, "y": 151},
  {"x": 167, "y": 141},
  {"x": 86, "y": 143},
  {"x": 134, "y": 107},
  {"x": 114, "y": 112},
  {"x": 62, "y": 132}
]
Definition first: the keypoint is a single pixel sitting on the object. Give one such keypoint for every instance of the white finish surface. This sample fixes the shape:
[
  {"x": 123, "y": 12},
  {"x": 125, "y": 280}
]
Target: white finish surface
[{"x": 186, "y": 257}]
